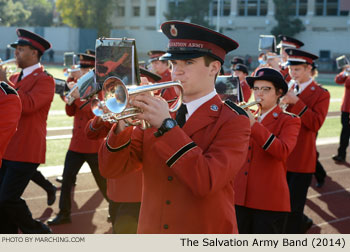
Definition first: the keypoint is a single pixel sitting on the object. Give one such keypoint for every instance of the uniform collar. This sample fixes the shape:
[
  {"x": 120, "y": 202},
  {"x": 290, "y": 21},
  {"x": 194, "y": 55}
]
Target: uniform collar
[
  {"x": 28, "y": 70},
  {"x": 304, "y": 85},
  {"x": 194, "y": 105},
  {"x": 261, "y": 117}
]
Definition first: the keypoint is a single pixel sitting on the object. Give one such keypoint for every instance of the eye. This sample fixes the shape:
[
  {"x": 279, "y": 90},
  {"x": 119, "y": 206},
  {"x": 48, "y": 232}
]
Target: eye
[{"x": 189, "y": 62}]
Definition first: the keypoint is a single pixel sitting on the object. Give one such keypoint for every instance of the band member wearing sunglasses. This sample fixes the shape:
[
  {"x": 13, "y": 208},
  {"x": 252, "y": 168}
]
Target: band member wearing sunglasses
[
  {"x": 188, "y": 165},
  {"x": 261, "y": 189}
]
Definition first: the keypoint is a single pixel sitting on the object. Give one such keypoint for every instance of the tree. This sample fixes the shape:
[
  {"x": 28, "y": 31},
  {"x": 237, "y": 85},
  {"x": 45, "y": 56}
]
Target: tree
[
  {"x": 286, "y": 24},
  {"x": 12, "y": 13},
  {"x": 195, "y": 11},
  {"x": 41, "y": 12},
  {"x": 87, "y": 14}
]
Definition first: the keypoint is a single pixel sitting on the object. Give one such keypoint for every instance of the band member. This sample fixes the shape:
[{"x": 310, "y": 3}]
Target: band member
[
  {"x": 343, "y": 78},
  {"x": 241, "y": 71},
  {"x": 236, "y": 60},
  {"x": 261, "y": 189},
  {"x": 81, "y": 149},
  {"x": 188, "y": 165},
  {"x": 158, "y": 66},
  {"x": 26, "y": 150},
  {"x": 125, "y": 192},
  {"x": 287, "y": 42},
  {"x": 312, "y": 106},
  {"x": 10, "y": 114}
]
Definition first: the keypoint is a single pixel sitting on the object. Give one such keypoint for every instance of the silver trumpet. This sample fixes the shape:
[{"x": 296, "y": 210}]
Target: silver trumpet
[
  {"x": 294, "y": 86},
  {"x": 10, "y": 69},
  {"x": 85, "y": 85},
  {"x": 116, "y": 105}
]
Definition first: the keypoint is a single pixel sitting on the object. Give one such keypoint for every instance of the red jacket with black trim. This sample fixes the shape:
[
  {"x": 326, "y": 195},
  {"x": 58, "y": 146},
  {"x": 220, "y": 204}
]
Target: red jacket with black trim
[
  {"x": 127, "y": 188},
  {"x": 312, "y": 108},
  {"x": 36, "y": 92},
  {"x": 10, "y": 113},
  {"x": 341, "y": 79},
  {"x": 261, "y": 183},
  {"x": 188, "y": 172}
]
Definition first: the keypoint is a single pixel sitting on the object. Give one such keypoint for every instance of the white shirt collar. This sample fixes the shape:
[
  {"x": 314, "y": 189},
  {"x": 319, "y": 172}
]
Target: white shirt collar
[
  {"x": 262, "y": 116},
  {"x": 28, "y": 70},
  {"x": 194, "y": 105},
  {"x": 304, "y": 85}
]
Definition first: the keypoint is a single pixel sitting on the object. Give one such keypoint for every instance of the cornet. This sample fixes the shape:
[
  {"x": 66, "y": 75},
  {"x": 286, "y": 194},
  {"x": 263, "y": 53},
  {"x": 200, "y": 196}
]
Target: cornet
[{"x": 116, "y": 105}]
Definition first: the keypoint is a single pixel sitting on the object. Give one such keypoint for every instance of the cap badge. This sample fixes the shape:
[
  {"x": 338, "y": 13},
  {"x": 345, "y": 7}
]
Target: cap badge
[
  {"x": 261, "y": 73},
  {"x": 214, "y": 107},
  {"x": 284, "y": 38},
  {"x": 173, "y": 30}
]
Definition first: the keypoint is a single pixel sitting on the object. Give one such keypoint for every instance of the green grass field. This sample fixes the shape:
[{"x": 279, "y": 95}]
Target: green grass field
[{"x": 56, "y": 149}]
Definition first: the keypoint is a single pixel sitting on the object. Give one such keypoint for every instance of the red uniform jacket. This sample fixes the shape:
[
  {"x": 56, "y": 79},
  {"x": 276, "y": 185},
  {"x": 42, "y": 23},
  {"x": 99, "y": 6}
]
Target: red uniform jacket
[
  {"x": 36, "y": 92},
  {"x": 285, "y": 73},
  {"x": 247, "y": 92},
  {"x": 188, "y": 173},
  {"x": 166, "y": 76},
  {"x": 340, "y": 79},
  {"x": 312, "y": 109},
  {"x": 10, "y": 113},
  {"x": 80, "y": 142},
  {"x": 124, "y": 189},
  {"x": 261, "y": 183}
]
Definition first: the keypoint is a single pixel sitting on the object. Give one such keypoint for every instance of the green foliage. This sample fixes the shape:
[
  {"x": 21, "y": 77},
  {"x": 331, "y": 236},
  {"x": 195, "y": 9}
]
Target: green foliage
[
  {"x": 287, "y": 25},
  {"x": 87, "y": 14},
  {"x": 195, "y": 11},
  {"x": 13, "y": 13},
  {"x": 41, "y": 12}
]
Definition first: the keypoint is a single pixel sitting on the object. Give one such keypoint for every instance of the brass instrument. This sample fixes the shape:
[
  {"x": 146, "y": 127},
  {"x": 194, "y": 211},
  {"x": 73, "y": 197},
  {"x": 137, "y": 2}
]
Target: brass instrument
[
  {"x": 86, "y": 86},
  {"x": 247, "y": 105},
  {"x": 9, "y": 69},
  {"x": 292, "y": 85},
  {"x": 117, "y": 95}
]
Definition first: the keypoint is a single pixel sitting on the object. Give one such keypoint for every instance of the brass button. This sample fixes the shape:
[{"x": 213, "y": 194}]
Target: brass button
[
  {"x": 170, "y": 178},
  {"x": 165, "y": 226}
]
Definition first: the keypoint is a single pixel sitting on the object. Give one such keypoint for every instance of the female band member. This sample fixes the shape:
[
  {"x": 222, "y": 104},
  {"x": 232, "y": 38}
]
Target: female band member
[{"x": 261, "y": 190}]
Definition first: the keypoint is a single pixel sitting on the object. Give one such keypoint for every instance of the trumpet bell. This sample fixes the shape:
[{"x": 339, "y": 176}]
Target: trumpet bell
[{"x": 116, "y": 94}]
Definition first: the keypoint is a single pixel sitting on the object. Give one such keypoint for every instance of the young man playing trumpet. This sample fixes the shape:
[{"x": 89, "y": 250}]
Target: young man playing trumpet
[
  {"x": 261, "y": 189},
  {"x": 312, "y": 106},
  {"x": 188, "y": 165}
]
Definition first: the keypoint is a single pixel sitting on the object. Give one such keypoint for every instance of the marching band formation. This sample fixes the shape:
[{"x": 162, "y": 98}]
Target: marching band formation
[{"x": 213, "y": 166}]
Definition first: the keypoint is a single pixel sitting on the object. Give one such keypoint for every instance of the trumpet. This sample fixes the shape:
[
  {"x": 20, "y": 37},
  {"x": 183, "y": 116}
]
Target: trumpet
[
  {"x": 247, "y": 105},
  {"x": 292, "y": 85},
  {"x": 10, "y": 69},
  {"x": 116, "y": 105},
  {"x": 85, "y": 85}
]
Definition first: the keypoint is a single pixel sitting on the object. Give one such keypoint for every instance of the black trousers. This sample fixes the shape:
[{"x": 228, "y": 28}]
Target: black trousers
[
  {"x": 344, "y": 135},
  {"x": 320, "y": 173},
  {"x": 124, "y": 216},
  {"x": 255, "y": 221},
  {"x": 298, "y": 184},
  {"x": 39, "y": 179},
  {"x": 14, "y": 212},
  {"x": 72, "y": 165}
]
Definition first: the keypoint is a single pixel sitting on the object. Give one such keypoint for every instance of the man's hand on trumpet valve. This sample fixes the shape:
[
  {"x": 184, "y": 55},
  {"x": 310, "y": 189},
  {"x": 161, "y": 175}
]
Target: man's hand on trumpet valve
[{"x": 154, "y": 109}]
